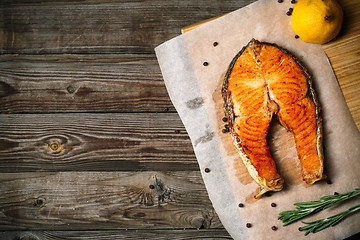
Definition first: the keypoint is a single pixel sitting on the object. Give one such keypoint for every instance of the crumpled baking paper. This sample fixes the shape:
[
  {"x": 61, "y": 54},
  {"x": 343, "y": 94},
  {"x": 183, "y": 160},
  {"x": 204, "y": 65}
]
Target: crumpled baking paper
[{"x": 195, "y": 92}]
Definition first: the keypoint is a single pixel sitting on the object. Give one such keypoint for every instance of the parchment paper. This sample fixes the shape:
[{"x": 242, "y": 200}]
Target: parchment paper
[{"x": 195, "y": 92}]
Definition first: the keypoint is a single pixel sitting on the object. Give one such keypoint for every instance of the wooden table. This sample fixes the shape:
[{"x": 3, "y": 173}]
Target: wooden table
[{"x": 90, "y": 143}]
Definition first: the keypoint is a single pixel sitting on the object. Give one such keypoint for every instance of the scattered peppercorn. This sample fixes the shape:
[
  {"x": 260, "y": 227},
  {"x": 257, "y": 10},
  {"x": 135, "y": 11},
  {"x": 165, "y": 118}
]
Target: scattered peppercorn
[
  {"x": 273, "y": 204},
  {"x": 296, "y": 36},
  {"x": 289, "y": 12},
  {"x": 224, "y": 130},
  {"x": 226, "y": 126},
  {"x": 241, "y": 205},
  {"x": 274, "y": 228},
  {"x": 293, "y": 1},
  {"x": 215, "y": 44},
  {"x": 151, "y": 186},
  {"x": 328, "y": 182},
  {"x": 280, "y": 1},
  {"x": 248, "y": 225},
  {"x": 207, "y": 170},
  {"x": 224, "y": 119},
  {"x": 336, "y": 193},
  {"x": 205, "y": 63}
]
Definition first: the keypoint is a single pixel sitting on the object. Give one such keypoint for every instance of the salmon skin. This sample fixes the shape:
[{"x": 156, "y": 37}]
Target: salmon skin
[{"x": 264, "y": 80}]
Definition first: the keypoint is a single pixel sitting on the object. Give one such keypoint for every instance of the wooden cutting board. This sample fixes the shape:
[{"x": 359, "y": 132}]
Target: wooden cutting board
[{"x": 343, "y": 53}]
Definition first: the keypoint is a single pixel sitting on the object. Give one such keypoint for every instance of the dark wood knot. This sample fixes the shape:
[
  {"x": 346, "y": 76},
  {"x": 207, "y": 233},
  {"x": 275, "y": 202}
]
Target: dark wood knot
[{"x": 55, "y": 146}]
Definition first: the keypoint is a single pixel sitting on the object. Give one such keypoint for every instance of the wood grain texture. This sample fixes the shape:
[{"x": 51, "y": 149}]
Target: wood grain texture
[
  {"x": 190, "y": 234},
  {"x": 98, "y": 200},
  {"x": 343, "y": 53},
  {"x": 22, "y": 31},
  {"x": 98, "y": 26},
  {"x": 94, "y": 142},
  {"x": 90, "y": 144},
  {"x": 82, "y": 83}
]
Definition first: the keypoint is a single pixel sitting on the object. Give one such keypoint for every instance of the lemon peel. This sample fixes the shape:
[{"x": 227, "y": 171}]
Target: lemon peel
[{"x": 317, "y": 21}]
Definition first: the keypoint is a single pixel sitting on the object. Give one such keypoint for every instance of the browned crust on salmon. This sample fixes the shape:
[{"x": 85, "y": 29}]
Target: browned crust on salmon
[{"x": 275, "y": 183}]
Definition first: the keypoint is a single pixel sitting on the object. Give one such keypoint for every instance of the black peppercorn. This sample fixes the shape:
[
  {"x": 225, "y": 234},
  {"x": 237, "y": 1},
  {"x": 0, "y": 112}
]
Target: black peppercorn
[
  {"x": 280, "y": 1},
  {"x": 296, "y": 36},
  {"x": 274, "y": 228},
  {"x": 224, "y": 119},
  {"x": 273, "y": 204},
  {"x": 241, "y": 205},
  {"x": 151, "y": 186},
  {"x": 207, "y": 170},
  {"x": 328, "y": 182},
  {"x": 205, "y": 63},
  {"x": 289, "y": 12},
  {"x": 215, "y": 44},
  {"x": 248, "y": 225},
  {"x": 293, "y": 1}
]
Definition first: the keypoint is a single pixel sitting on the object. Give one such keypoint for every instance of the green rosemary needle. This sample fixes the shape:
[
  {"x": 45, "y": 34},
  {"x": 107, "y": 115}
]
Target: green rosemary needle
[
  {"x": 318, "y": 225},
  {"x": 304, "y": 209}
]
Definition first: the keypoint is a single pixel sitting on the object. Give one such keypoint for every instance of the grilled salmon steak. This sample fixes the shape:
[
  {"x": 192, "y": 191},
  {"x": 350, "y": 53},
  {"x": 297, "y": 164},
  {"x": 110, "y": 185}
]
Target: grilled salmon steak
[{"x": 264, "y": 80}]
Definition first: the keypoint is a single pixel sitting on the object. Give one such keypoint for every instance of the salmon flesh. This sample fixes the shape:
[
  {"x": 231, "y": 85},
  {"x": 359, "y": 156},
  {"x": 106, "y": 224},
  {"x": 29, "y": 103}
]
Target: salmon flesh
[{"x": 264, "y": 80}]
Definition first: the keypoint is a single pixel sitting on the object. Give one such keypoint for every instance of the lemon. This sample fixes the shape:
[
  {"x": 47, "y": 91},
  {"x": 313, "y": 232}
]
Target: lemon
[{"x": 317, "y": 21}]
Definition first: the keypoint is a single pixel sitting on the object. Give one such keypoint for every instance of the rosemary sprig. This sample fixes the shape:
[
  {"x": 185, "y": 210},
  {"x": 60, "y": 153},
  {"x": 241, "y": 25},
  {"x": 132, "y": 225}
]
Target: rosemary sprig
[
  {"x": 318, "y": 225},
  {"x": 304, "y": 209}
]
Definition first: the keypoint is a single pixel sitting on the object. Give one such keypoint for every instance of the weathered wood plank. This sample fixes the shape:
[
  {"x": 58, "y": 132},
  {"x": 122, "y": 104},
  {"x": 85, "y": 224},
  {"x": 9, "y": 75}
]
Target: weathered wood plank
[
  {"x": 94, "y": 142},
  {"x": 190, "y": 234},
  {"x": 82, "y": 83},
  {"x": 98, "y": 26},
  {"x": 105, "y": 200},
  {"x": 209, "y": 234}
]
